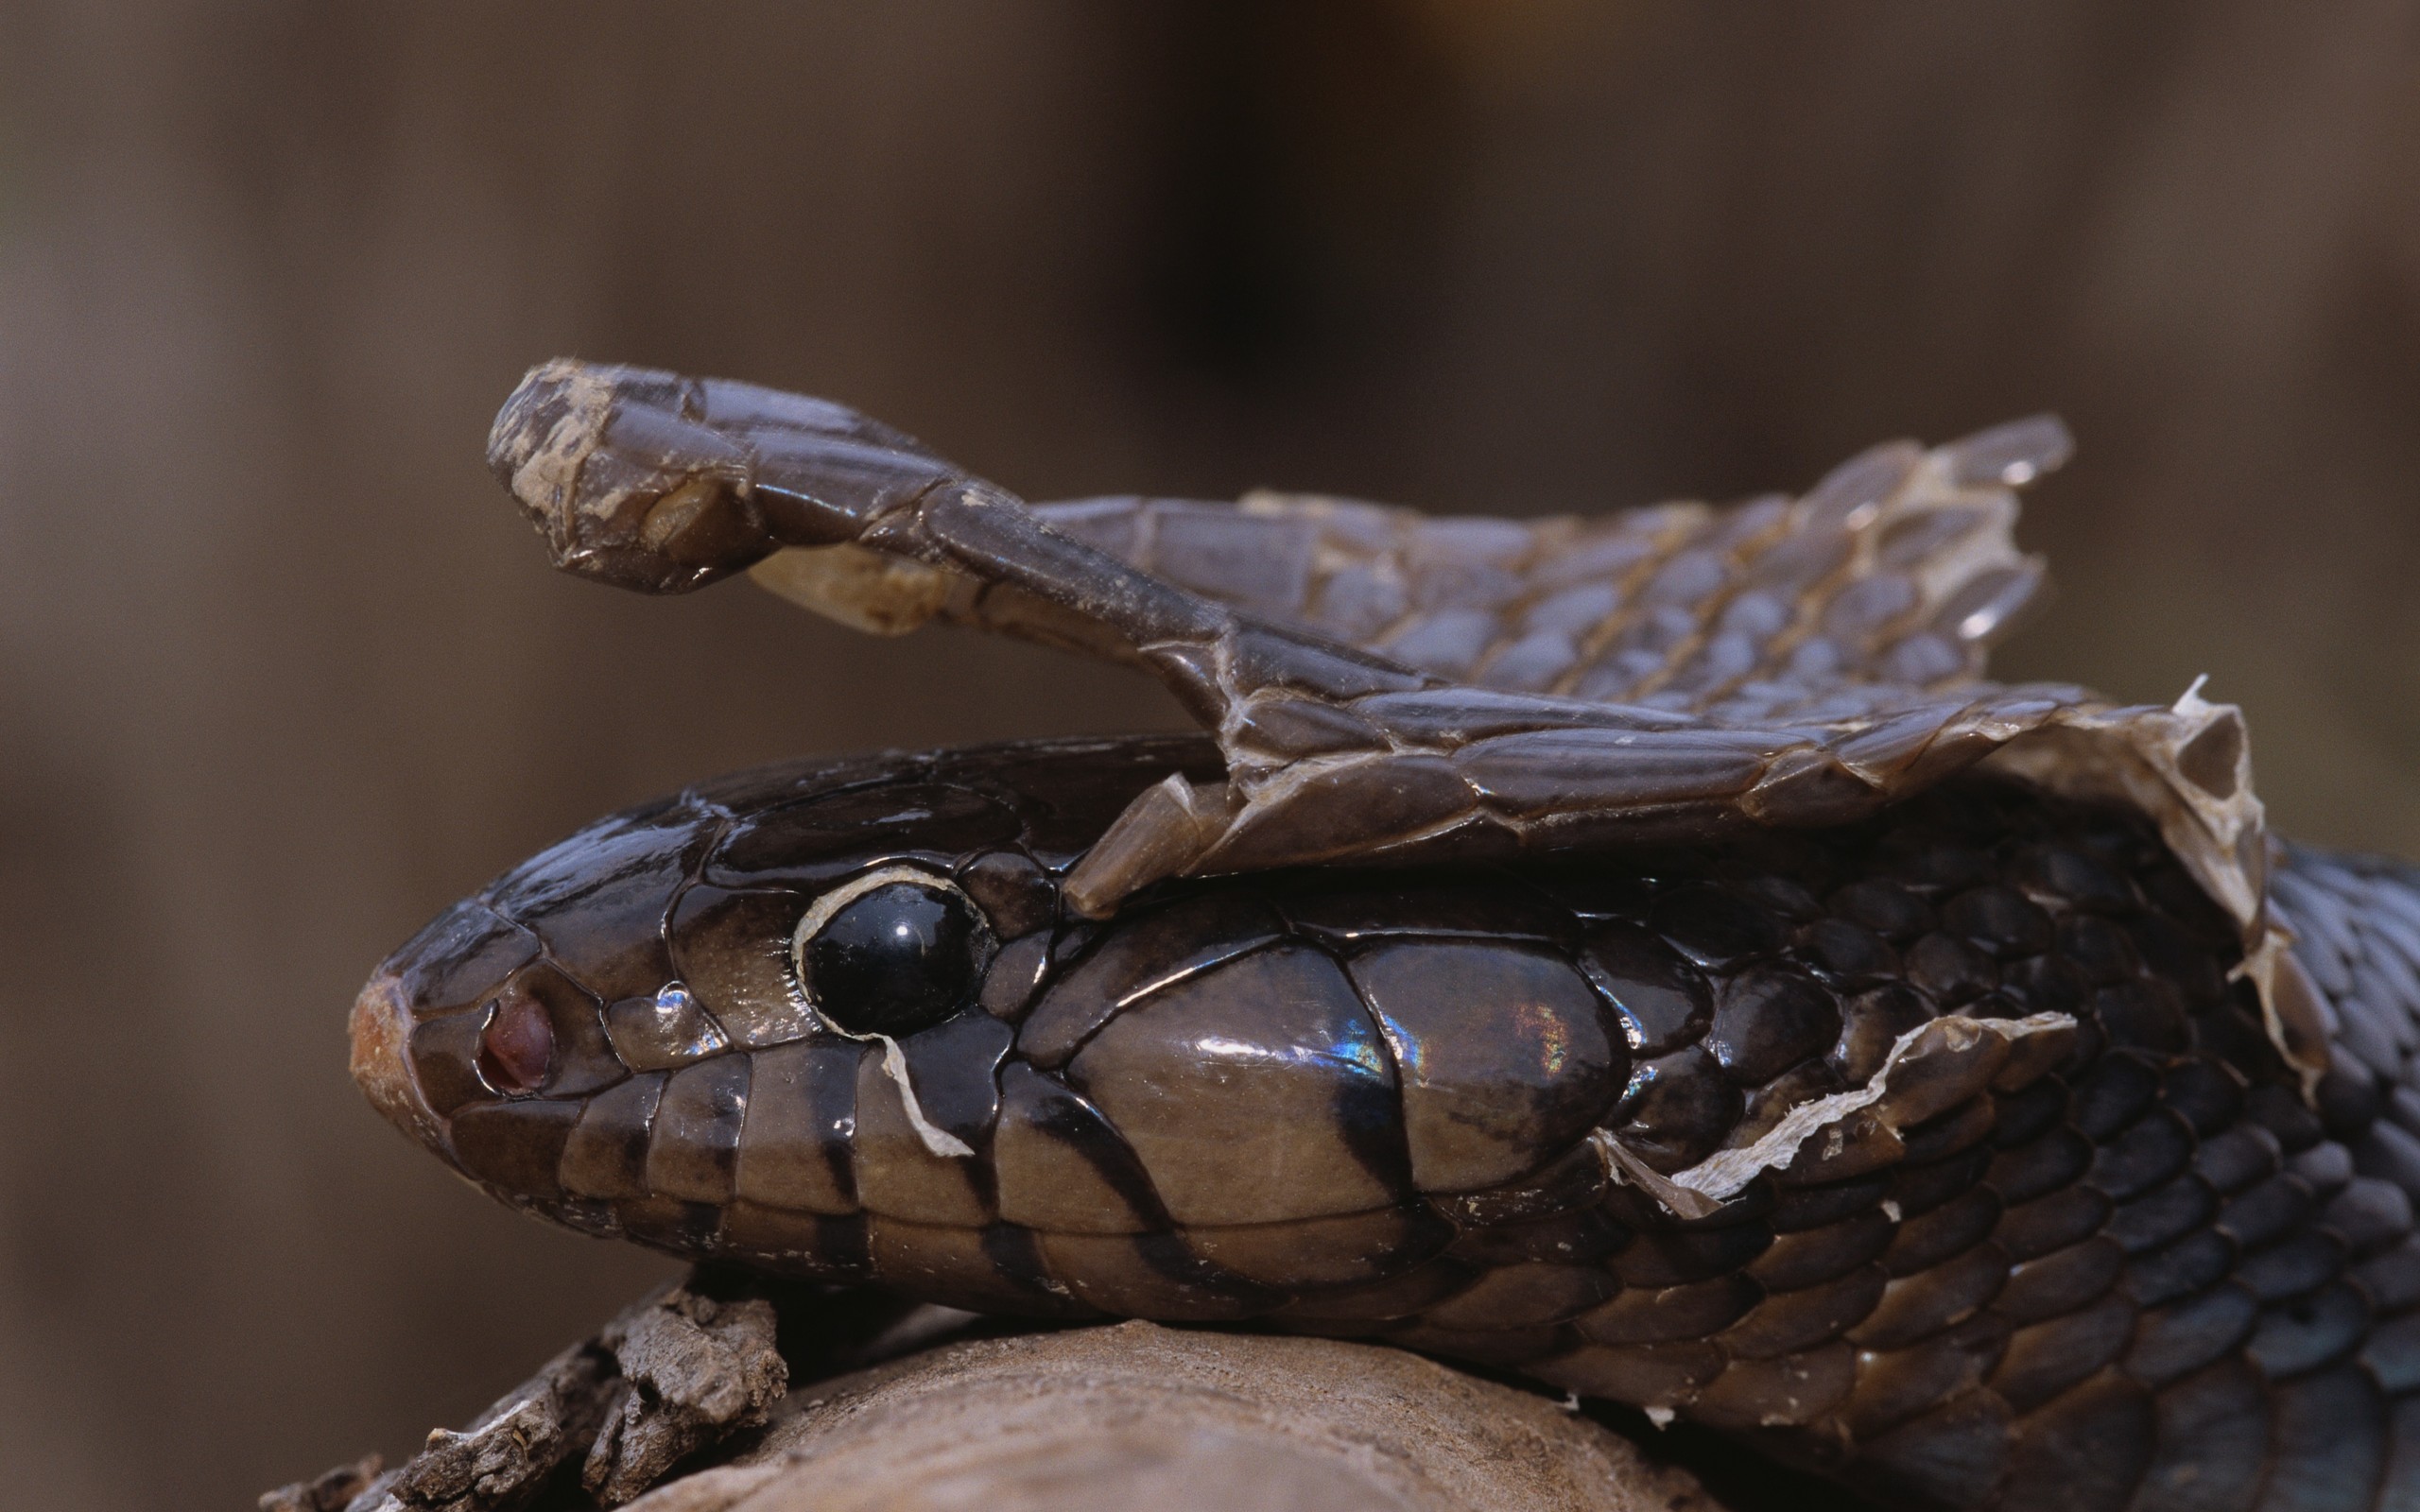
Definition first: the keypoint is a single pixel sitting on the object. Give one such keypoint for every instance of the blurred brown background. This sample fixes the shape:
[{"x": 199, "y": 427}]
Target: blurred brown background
[{"x": 280, "y": 672}]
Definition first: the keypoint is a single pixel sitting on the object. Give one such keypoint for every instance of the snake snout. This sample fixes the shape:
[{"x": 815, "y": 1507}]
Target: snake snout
[{"x": 381, "y": 1026}]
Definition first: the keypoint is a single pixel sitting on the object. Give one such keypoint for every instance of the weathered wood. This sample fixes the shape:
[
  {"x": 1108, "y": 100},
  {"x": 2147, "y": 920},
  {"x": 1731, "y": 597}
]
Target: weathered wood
[
  {"x": 1139, "y": 1415},
  {"x": 1128, "y": 1415}
]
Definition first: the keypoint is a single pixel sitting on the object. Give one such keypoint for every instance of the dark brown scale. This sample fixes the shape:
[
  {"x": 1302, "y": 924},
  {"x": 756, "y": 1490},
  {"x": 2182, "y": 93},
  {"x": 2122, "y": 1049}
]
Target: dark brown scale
[
  {"x": 2000, "y": 919},
  {"x": 692, "y": 1142},
  {"x": 2056, "y": 1284},
  {"x": 1015, "y": 977},
  {"x": 1152, "y": 954},
  {"x": 2175, "y": 1341},
  {"x": 2046, "y": 984},
  {"x": 2237, "y": 1157},
  {"x": 1848, "y": 952},
  {"x": 2028, "y": 1112},
  {"x": 2292, "y": 1267},
  {"x": 955, "y": 1068},
  {"x": 518, "y": 1145},
  {"x": 2205, "y": 1092},
  {"x": 2266, "y": 1211},
  {"x": 605, "y": 1156},
  {"x": 2045, "y": 1358},
  {"x": 1678, "y": 1108},
  {"x": 1914, "y": 1307},
  {"x": 2154, "y": 1148},
  {"x": 1660, "y": 1001},
  {"x": 2145, "y": 1014},
  {"x": 1715, "y": 927},
  {"x": 732, "y": 949},
  {"x": 2084, "y": 1453},
  {"x": 2058, "y": 874},
  {"x": 1811, "y": 1257},
  {"x": 2328, "y": 1440},
  {"x": 1314, "y": 1255},
  {"x": 1767, "y": 1020},
  {"x": 460, "y": 957},
  {"x": 1678, "y": 1258},
  {"x": 1951, "y": 970},
  {"x": 1659, "y": 1315},
  {"x": 1253, "y": 1093},
  {"x": 1788, "y": 1390},
  {"x": 2182, "y": 1267},
  {"x": 820, "y": 839},
  {"x": 1917, "y": 1189},
  {"x": 1812, "y": 1206},
  {"x": 1806, "y": 1316},
  {"x": 1885, "y": 907},
  {"x": 1058, "y": 1165},
  {"x": 1589, "y": 1234},
  {"x": 1363, "y": 1104},
  {"x": 1896, "y": 1385},
  {"x": 1523, "y": 1295},
  {"x": 1918, "y": 1243},
  {"x": 2112, "y": 1094},
  {"x": 2369, "y": 1215},
  {"x": 2098, "y": 948},
  {"x": 2156, "y": 1218},
  {"x": 2318, "y": 1329},
  {"x": 1502, "y": 1052},
  {"x": 2212, "y": 1446},
  {"x": 1959, "y": 1130},
  {"x": 1423, "y": 907},
  {"x": 1016, "y": 894}
]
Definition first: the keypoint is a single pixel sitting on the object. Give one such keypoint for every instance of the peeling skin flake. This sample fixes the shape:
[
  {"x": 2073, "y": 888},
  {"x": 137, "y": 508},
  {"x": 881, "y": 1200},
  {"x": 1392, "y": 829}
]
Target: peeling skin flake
[
  {"x": 552, "y": 467},
  {"x": 2189, "y": 766},
  {"x": 868, "y": 591},
  {"x": 1702, "y": 1189},
  {"x": 943, "y": 1144}
]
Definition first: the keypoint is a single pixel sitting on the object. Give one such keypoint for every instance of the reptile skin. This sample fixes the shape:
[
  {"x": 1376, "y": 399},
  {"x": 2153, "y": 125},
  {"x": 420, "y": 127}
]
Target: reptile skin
[{"x": 1927, "y": 1126}]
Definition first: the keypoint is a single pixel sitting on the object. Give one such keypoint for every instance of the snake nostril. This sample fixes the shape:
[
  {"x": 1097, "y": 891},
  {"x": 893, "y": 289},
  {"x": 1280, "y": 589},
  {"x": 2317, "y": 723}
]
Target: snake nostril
[{"x": 516, "y": 1044}]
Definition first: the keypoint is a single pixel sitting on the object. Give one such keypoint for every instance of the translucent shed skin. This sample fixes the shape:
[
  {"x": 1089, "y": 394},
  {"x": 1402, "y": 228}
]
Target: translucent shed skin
[{"x": 2063, "y": 1218}]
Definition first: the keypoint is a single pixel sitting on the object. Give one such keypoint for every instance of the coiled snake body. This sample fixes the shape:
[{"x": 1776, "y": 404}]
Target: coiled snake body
[{"x": 1642, "y": 953}]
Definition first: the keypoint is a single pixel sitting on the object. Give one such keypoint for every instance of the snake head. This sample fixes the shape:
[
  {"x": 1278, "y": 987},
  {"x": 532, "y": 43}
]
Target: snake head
[
  {"x": 831, "y": 908},
  {"x": 838, "y": 1020}
]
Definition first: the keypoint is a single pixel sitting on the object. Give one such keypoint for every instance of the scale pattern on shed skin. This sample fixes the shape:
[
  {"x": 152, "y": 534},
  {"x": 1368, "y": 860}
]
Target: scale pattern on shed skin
[
  {"x": 1357, "y": 1104},
  {"x": 1844, "y": 627}
]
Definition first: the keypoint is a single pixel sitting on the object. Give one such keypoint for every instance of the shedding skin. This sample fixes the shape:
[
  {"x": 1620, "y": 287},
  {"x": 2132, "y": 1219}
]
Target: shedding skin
[{"x": 1641, "y": 952}]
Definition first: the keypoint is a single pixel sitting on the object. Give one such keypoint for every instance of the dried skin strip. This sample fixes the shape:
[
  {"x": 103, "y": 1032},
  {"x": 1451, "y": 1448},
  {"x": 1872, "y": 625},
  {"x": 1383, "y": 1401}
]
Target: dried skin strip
[{"x": 665, "y": 483}]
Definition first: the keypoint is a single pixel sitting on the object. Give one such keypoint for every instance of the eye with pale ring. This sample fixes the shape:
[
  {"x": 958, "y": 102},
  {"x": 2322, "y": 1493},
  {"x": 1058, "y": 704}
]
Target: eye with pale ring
[{"x": 890, "y": 952}]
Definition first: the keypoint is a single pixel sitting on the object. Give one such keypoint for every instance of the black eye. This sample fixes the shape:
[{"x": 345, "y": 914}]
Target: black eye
[{"x": 896, "y": 957}]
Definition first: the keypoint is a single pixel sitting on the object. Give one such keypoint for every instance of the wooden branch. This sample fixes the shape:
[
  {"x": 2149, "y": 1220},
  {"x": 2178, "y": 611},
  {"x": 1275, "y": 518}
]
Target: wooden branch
[{"x": 1120, "y": 1416}]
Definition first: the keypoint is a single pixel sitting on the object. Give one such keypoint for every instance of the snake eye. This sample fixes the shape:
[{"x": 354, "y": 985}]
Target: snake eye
[
  {"x": 892, "y": 953},
  {"x": 516, "y": 1044}
]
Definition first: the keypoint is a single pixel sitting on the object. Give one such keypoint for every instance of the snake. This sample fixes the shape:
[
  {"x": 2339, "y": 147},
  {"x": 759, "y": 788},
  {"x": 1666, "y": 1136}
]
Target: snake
[{"x": 1643, "y": 954}]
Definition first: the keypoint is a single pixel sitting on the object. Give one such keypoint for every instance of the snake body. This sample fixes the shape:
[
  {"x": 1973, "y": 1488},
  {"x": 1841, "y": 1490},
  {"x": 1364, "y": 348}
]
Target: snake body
[{"x": 1966, "y": 1139}]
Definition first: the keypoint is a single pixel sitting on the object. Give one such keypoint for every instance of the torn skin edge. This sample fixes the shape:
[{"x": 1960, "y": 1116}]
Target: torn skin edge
[
  {"x": 2189, "y": 766},
  {"x": 943, "y": 1144},
  {"x": 1703, "y": 1188}
]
